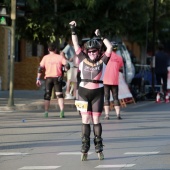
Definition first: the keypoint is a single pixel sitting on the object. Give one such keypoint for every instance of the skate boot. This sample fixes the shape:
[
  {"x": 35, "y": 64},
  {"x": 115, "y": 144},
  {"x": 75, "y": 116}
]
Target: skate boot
[
  {"x": 85, "y": 148},
  {"x": 62, "y": 114},
  {"x": 99, "y": 147}
]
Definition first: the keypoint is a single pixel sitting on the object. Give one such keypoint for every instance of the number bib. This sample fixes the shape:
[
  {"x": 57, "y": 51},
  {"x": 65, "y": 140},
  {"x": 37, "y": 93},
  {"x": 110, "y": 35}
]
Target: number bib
[{"x": 81, "y": 105}]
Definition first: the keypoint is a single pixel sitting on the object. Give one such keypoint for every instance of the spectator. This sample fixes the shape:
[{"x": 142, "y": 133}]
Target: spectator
[
  {"x": 69, "y": 53},
  {"x": 161, "y": 67},
  {"x": 111, "y": 81},
  {"x": 74, "y": 77}
]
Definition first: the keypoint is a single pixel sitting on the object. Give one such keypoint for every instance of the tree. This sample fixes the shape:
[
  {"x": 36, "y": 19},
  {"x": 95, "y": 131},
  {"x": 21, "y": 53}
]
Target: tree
[{"x": 48, "y": 20}]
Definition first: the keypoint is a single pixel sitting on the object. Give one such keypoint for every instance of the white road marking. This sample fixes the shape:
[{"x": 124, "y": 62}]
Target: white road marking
[
  {"x": 40, "y": 167},
  {"x": 12, "y": 153},
  {"x": 116, "y": 166},
  {"x": 140, "y": 153},
  {"x": 72, "y": 153}
]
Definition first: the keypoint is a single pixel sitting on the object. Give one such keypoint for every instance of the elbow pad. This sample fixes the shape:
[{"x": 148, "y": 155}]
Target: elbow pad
[
  {"x": 40, "y": 69},
  {"x": 66, "y": 67}
]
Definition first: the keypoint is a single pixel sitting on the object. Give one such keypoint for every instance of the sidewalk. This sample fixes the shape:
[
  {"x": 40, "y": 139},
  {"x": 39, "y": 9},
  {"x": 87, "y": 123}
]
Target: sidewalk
[{"x": 31, "y": 100}]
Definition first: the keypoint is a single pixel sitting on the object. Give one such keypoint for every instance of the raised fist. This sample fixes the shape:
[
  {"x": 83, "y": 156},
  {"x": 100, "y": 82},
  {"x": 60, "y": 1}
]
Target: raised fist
[
  {"x": 97, "y": 32},
  {"x": 73, "y": 23}
]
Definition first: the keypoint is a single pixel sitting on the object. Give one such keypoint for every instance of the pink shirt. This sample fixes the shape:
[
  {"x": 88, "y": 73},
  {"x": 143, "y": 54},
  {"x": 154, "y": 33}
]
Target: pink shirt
[
  {"x": 111, "y": 75},
  {"x": 53, "y": 65}
]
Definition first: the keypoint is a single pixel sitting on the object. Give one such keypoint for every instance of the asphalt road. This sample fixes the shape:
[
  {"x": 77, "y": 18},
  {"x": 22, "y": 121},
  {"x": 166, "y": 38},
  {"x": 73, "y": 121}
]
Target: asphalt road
[{"x": 140, "y": 141}]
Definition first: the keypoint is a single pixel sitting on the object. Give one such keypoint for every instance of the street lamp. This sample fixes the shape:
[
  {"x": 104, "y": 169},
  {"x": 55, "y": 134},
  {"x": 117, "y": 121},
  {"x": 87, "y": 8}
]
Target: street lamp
[
  {"x": 153, "y": 47},
  {"x": 20, "y": 12},
  {"x": 12, "y": 56},
  {"x": 3, "y": 22}
]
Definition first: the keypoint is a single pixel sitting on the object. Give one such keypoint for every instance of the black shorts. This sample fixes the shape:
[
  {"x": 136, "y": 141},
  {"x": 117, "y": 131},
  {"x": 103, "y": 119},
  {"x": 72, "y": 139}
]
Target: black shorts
[
  {"x": 94, "y": 97},
  {"x": 51, "y": 82}
]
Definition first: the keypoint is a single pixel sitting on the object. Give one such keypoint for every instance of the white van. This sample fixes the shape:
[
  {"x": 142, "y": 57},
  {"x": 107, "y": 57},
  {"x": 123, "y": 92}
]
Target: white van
[{"x": 129, "y": 69}]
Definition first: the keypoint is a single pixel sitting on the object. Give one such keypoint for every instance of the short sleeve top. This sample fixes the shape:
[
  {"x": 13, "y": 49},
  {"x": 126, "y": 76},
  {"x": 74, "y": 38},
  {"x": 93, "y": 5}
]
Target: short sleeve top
[
  {"x": 53, "y": 65},
  {"x": 111, "y": 75}
]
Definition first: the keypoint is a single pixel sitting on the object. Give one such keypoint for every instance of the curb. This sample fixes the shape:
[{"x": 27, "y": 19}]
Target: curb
[{"x": 39, "y": 106}]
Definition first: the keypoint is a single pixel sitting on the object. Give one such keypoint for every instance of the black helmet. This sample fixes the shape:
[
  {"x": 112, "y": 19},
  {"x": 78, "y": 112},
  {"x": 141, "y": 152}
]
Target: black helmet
[
  {"x": 93, "y": 43},
  {"x": 114, "y": 45}
]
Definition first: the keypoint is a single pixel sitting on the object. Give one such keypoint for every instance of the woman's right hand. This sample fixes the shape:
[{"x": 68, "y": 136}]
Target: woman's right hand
[
  {"x": 97, "y": 32},
  {"x": 73, "y": 23}
]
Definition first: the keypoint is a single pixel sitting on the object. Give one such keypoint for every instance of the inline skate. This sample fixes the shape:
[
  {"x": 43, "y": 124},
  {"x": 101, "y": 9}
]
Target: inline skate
[
  {"x": 85, "y": 148},
  {"x": 99, "y": 147}
]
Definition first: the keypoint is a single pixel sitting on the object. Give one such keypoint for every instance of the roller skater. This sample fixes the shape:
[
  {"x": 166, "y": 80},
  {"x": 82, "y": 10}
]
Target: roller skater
[
  {"x": 53, "y": 64},
  {"x": 91, "y": 89}
]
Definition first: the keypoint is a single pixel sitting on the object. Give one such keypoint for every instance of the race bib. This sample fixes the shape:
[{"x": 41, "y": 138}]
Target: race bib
[{"x": 81, "y": 105}]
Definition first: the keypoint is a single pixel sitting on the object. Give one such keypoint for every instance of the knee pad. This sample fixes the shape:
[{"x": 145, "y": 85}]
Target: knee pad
[
  {"x": 47, "y": 96},
  {"x": 59, "y": 96},
  {"x": 116, "y": 103},
  {"x": 40, "y": 69},
  {"x": 107, "y": 103}
]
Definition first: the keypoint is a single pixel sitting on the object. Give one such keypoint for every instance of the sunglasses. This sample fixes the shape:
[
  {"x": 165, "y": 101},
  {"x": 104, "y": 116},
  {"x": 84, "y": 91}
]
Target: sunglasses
[{"x": 92, "y": 51}]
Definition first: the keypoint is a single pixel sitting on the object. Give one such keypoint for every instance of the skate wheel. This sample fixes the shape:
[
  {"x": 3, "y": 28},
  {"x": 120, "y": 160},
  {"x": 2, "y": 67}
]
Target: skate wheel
[
  {"x": 84, "y": 157},
  {"x": 100, "y": 155}
]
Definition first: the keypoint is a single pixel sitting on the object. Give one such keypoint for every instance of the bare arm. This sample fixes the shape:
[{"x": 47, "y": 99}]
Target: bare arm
[
  {"x": 105, "y": 41},
  {"x": 38, "y": 82},
  {"x": 108, "y": 45},
  {"x": 74, "y": 35}
]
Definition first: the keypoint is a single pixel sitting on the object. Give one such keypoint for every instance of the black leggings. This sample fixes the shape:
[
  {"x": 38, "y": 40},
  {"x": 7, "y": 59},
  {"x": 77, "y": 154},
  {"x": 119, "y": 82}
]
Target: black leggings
[
  {"x": 164, "y": 77},
  {"x": 51, "y": 82},
  {"x": 114, "y": 89}
]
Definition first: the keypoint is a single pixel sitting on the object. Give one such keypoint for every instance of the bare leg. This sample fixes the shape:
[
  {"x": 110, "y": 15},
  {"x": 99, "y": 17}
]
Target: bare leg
[
  {"x": 107, "y": 109},
  {"x": 61, "y": 103},
  {"x": 117, "y": 109},
  {"x": 68, "y": 87},
  {"x": 71, "y": 88},
  {"x": 96, "y": 119},
  {"x": 75, "y": 90},
  {"x": 46, "y": 105},
  {"x": 86, "y": 118}
]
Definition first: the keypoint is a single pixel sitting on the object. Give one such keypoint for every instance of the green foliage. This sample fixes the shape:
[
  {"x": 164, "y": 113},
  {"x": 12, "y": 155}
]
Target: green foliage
[{"x": 48, "y": 20}]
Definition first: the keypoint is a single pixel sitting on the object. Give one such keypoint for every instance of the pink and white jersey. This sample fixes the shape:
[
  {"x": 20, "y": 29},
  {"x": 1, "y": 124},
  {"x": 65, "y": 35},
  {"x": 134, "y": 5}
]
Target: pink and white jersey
[
  {"x": 53, "y": 65},
  {"x": 111, "y": 75},
  {"x": 91, "y": 71}
]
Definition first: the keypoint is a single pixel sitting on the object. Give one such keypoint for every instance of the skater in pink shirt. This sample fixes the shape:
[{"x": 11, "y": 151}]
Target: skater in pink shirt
[
  {"x": 111, "y": 81},
  {"x": 53, "y": 64}
]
